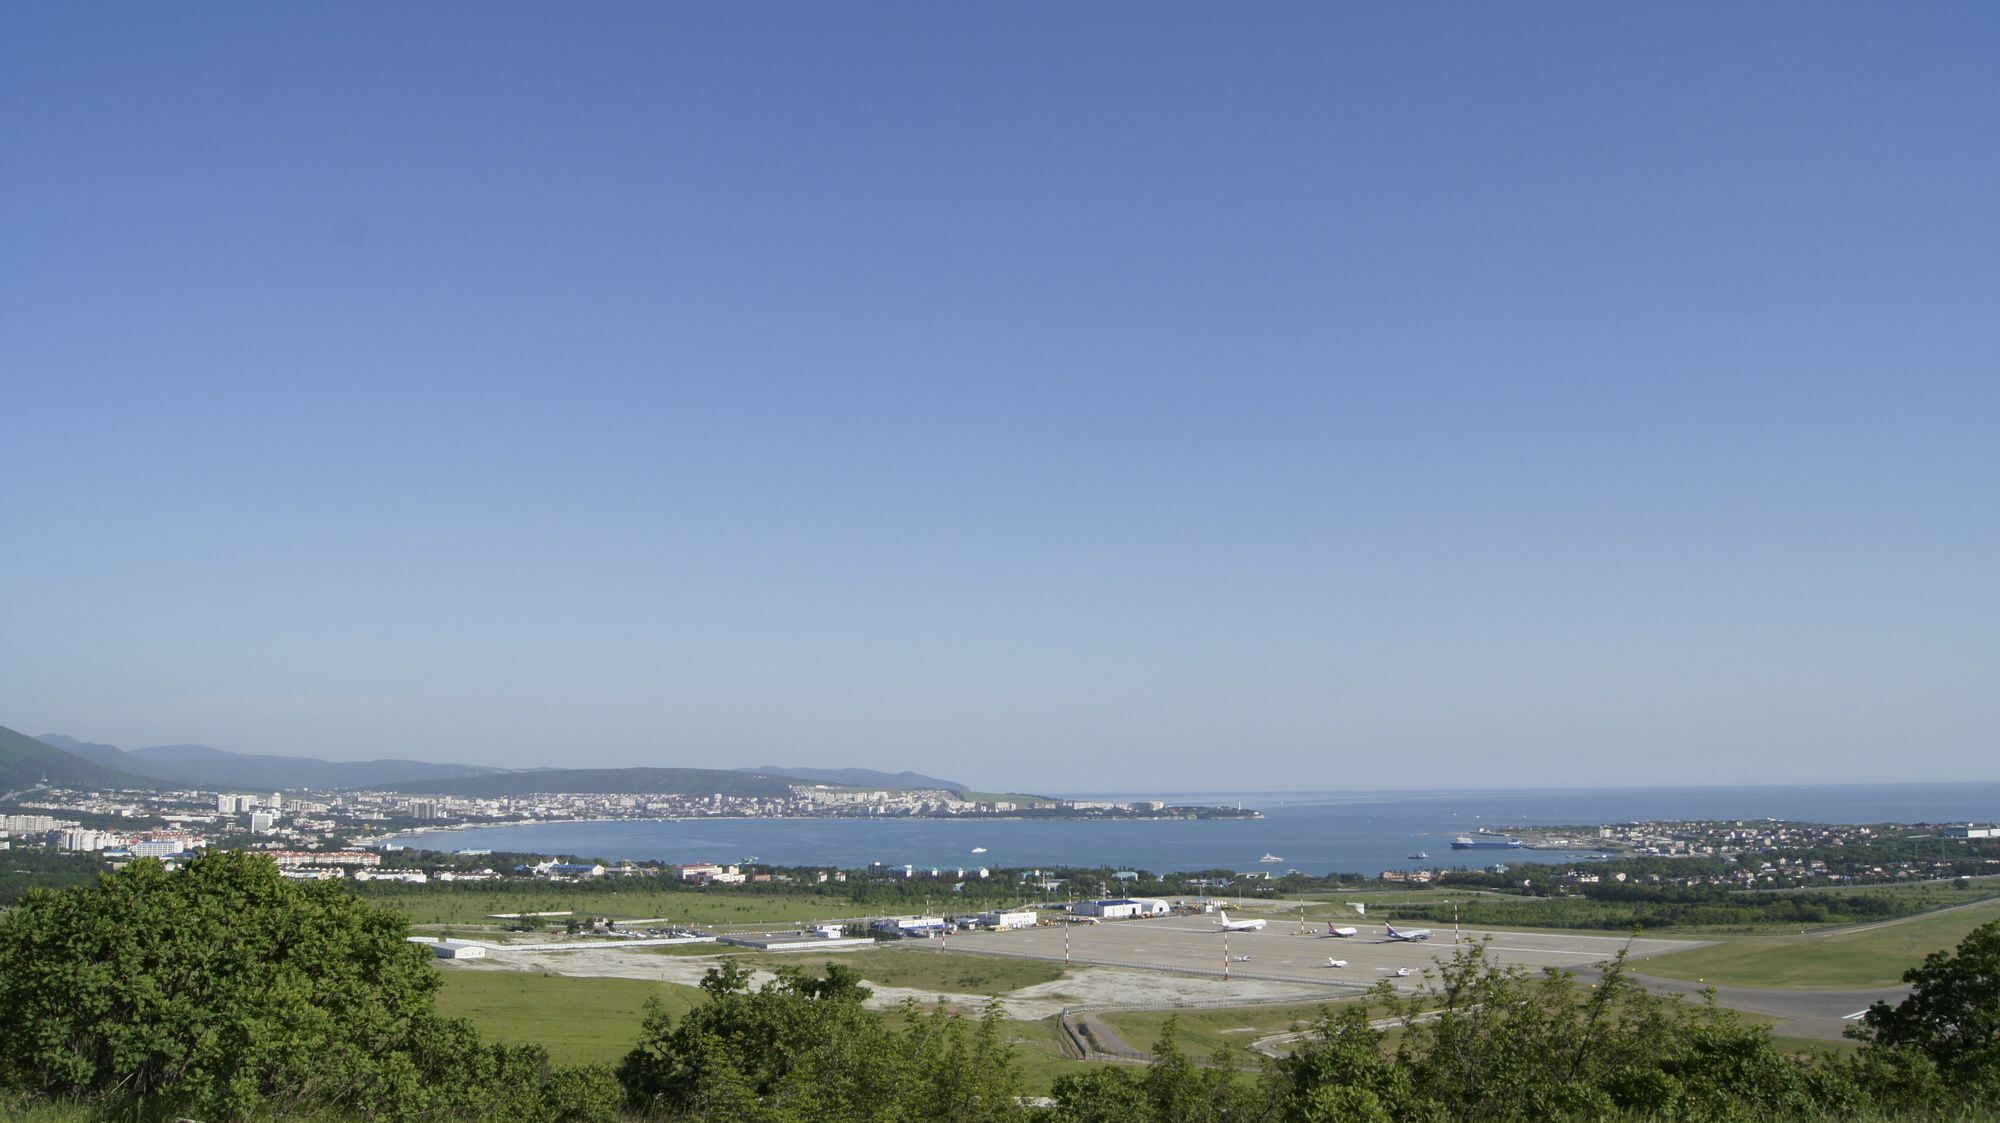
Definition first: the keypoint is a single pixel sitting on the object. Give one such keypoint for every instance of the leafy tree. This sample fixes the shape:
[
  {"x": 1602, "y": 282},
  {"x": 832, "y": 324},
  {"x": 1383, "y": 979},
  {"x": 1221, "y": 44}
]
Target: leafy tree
[
  {"x": 226, "y": 991},
  {"x": 1952, "y": 1015},
  {"x": 1487, "y": 1042},
  {"x": 1103, "y": 1095},
  {"x": 1174, "y": 1087},
  {"x": 1342, "y": 1071},
  {"x": 802, "y": 1048}
]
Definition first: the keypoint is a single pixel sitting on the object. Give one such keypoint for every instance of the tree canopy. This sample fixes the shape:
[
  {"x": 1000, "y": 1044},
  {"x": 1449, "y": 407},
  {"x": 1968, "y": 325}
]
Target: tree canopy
[
  {"x": 1952, "y": 1015},
  {"x": 802, "y": 1049},
  {"x": 226, "y": 990}
]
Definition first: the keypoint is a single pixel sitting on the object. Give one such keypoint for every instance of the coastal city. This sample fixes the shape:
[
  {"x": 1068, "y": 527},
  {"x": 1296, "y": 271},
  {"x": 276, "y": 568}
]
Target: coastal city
[{"x": 349, "y": 834}]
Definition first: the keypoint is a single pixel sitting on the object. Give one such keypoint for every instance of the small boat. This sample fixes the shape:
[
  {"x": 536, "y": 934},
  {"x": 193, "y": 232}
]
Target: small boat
[
  {"x": 979, "y": 850},
  {"x": 1270, "y": 858},
  {"x": 1419, "y": 855}
]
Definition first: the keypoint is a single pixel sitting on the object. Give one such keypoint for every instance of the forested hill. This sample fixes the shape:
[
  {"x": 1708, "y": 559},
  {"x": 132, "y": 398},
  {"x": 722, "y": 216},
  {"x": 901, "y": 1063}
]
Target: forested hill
[
  {"x": 199, "y": 766},
  {"x": 861, "y": 778},
  {"x": 28, "y": 763},
  {"x": 604, "y": 781}
]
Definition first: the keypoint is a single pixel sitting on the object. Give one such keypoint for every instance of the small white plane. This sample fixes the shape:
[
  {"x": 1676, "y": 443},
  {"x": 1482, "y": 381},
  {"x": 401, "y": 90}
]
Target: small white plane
[
  {"x": 1407, "y": 933},
  {"x": 1336, "y": 963},
  {"x": 1227, "y": 925},
  {"x": 1343, "y": 931}
]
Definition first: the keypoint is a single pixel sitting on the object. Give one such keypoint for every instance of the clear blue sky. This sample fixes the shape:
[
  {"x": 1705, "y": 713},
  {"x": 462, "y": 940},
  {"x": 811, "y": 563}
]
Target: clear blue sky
[{"x": 1057, "y": 396}]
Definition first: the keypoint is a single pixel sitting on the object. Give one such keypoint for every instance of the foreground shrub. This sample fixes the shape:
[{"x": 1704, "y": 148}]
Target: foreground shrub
[{"x": 225, "y": 991}]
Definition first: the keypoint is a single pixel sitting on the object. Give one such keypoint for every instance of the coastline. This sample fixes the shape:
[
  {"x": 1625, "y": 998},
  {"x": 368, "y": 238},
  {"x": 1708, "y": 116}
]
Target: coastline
[{"x": 1244, "y": 817}]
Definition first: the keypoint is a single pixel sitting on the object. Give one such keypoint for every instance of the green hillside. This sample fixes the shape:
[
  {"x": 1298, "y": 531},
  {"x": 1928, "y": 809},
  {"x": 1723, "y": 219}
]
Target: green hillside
[
  {"x": 603, "y": 781},
  {"x": 27, "y": 763}
]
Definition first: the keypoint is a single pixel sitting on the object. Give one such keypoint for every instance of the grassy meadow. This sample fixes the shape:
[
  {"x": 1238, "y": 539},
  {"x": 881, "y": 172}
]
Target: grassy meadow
[
  {"x": 1873, "y": 955},
  {"x": 578, "y": 1020},
  {"x": 718, "y": 907},
  {"x": 924, "y": 968},
  {"x": 1201, "y": 1030}
]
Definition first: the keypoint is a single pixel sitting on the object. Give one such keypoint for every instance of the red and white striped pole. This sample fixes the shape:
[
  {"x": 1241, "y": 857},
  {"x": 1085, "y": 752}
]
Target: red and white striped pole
[
  {"x": 1225, "y": 955},
  {"x": 1065, "y": 943}
]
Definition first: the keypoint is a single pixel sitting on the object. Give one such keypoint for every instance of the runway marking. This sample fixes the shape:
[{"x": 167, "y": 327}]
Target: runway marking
[{"x": 1855, "y": 1016}]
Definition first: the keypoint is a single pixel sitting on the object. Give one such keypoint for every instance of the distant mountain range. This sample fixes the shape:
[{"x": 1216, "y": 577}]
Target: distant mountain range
[
  {"x": 200, "y": 766},
  {"x": 57, "y": 758},
  {"x": 28, "y": 763},
  {"x": 860, "y": 777}
]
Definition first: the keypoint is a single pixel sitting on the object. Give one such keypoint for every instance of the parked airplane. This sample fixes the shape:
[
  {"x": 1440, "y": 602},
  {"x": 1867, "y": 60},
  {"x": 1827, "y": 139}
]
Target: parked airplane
[
  {"x": 1336, "y": 963},
  {"x": 1227, "y": 925},
  {"x": 1343, "y": 931},
  {"x": 1406, "y": 934}
]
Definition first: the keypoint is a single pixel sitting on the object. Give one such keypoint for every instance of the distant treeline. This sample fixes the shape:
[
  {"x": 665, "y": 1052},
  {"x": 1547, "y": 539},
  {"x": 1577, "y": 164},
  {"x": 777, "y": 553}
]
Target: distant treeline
[
  {"x": 1716, "y": 908},
  {"x": 35, "y": 867}
]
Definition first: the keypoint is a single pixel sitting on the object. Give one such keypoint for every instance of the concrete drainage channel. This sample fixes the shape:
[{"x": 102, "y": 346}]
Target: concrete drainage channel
[{"x": 1086, "y": 1037}]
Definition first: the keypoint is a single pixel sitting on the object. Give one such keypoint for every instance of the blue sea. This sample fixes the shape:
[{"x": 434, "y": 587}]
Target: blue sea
[{"x": 1315, "y": 832}]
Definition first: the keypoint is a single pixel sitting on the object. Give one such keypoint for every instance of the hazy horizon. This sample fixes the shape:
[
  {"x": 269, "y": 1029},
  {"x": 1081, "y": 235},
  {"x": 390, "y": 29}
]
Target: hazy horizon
[{"x": 1341, "y": 397}]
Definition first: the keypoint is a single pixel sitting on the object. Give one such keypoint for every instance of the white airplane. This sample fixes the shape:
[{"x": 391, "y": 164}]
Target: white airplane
[
  {"x": 1336, "y": 963},
  {"x": 1343, "y": 931},
  {"x": 1227, "y": 925},
  {"x": 1406, "y": 934}
]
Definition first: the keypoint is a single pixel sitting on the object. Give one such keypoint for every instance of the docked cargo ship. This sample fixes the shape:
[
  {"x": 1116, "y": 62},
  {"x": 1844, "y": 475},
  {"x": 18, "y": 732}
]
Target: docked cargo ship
[{"x": 1467, "y": 842}]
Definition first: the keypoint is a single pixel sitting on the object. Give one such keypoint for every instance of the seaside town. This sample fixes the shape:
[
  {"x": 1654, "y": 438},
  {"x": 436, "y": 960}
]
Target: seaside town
[
  {"x": 348, "y": 833},
  {"x": 146, "y": 823}
]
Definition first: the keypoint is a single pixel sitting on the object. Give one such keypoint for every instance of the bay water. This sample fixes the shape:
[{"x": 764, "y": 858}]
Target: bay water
[{"x": 1315, "y": 832}]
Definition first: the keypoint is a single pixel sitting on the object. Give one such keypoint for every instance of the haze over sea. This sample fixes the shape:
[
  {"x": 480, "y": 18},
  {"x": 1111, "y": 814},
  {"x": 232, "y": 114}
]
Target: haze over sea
[{"x": 1314, "y": 832}]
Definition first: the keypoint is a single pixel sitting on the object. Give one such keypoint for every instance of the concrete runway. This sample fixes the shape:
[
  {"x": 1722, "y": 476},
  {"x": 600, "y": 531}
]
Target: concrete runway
[
  {"x": 1821, "y": 1014},
  {"x": 1194, "y": 945}
]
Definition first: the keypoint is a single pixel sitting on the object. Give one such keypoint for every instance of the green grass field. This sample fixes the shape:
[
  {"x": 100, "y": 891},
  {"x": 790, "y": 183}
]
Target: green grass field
[
  {"x": 579, "y": 1021},
  {"x": 1200, "y": 1030},
  {"x": 596, "y": 1021},
  {"x": 924, "y": 968},
  {"x": 717, "y": 907},
  {"x": 1869, "y": 956}
]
